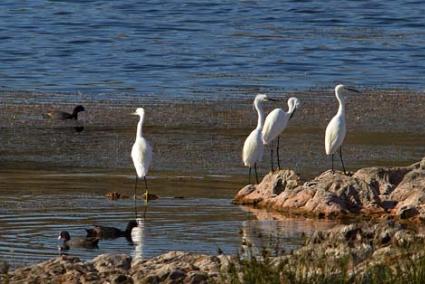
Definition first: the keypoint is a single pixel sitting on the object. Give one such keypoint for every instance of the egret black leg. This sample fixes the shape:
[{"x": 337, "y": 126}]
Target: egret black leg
[
  {"x": 256, "y": 174},
  {"x": 332, "y": 159},
  {"x": 146, "y": 197},
  {"x": 135, "y": 197},
  {"x": 342, "y": 162},
  {"x": 277, "y": 153},
  {"x": 271, "y": 158},
  {"x": 146, "y": 187},
  {"x": 249, "y": 176}
]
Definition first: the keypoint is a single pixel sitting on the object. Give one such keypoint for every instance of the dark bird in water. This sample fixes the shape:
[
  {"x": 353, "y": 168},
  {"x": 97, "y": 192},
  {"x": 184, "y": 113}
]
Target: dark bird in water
[
  {"x": 103, "y": 232},
  {"x": 61, "y": 115},
  {"x": 77, "y": 242}
]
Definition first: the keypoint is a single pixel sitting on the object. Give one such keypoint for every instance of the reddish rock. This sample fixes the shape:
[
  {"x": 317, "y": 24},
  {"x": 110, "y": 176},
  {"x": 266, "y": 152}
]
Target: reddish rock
[{"x": 398, "y": 191}]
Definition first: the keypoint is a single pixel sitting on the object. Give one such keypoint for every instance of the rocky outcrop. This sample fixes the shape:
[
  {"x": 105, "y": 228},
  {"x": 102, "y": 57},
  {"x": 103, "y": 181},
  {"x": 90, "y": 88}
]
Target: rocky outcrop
[
  {"x": 172, "y": 267},
  {"x": 356, "y": 248},
  {"x": 353, "y": 248},
  {"x": 375, "y": 191}
]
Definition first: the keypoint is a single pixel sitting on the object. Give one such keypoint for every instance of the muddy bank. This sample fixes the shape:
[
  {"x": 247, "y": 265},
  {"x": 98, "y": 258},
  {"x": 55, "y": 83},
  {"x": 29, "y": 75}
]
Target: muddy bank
[
  {"x": 207, "y": 136},
  {"x": 375, "y": 192},
  {"x": 356, "y": 247}
]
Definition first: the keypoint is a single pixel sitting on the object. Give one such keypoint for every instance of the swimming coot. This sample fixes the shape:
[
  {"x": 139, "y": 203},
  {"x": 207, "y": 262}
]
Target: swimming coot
[
  {"x": 104, "y": 232},
  {"x": 77, "y": 242},
  {"x": 61, "y": 115}
]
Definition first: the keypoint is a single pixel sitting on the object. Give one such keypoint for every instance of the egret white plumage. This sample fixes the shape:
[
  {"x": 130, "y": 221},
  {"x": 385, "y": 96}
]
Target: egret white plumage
[
  {"x": 141, "y": 153},
  {"x": 275, "y": 123},
  {"x": 336, "y": 129},
  {"x": 253, "y": 147}
]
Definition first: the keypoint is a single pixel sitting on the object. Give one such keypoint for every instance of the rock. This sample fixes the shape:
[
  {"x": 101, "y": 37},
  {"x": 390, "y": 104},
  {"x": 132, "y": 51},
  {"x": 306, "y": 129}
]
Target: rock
[
  {"x": 374, "y": 191},
  {"x": 172, "y": 267},
  {"x": 384, "y": 180},
  {"x": 175, "y": 267},
  {"x": 272, "y": 185},
  {"x": 4, "y": 267},
  {"x": 116, "y": 195},
  {"x": 151, "y": 196},
  {"x": 197, "y": 278},
  {"x": 122, "y": 279},
  {"x": 112, "y": 262},
  {"x": 359, "y": 246}
]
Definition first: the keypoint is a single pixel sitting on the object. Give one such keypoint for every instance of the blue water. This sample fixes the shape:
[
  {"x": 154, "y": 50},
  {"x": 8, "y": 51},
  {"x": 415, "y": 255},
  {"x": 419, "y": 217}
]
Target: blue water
[{"x": 209, "y": 49}]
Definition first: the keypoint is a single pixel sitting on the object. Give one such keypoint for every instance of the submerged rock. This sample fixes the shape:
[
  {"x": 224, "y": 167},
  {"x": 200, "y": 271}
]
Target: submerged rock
[
  {"x": 373, "y": 191},
  {"x": 113, "y": 195}
]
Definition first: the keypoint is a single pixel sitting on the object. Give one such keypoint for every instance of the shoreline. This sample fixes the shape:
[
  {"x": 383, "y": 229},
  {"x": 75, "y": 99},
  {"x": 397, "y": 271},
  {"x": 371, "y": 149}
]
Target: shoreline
[{"x": 353, "y": 252}]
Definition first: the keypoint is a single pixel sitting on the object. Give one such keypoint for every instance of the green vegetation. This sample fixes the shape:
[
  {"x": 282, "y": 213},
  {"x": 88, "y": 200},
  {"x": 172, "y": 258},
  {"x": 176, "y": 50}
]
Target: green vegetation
[{"x": 402, "y": 268}]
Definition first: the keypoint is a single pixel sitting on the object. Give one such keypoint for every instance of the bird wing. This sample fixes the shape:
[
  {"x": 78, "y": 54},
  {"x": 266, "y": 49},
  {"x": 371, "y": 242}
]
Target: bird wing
[
  {"x": 59, "y": 115},
  {"x": 141, "y": 153},
  {"x": 275, "y": 123},
  {"x": 335, "y": 134},
  {"x": 253, "y": 148}
]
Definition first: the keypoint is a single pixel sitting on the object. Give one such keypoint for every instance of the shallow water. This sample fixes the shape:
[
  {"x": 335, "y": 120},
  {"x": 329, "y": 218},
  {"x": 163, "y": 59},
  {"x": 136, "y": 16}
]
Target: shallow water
[
  {"x": 208, "y": 49},
  {"x": 37, "y": 205},
  {"x": 54, "y": 178}
]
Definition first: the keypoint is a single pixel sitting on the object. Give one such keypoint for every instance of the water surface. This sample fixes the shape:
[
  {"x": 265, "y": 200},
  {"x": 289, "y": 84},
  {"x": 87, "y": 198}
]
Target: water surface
[{"x": 209, "y": 49}]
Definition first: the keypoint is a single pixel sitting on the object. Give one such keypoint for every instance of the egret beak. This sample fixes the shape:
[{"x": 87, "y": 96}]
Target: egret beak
[
  {"x": 273, "y": 100},
  {"x": 134, "y": 113},
  {"x": 352, "y": 90},
  {"x": 59, "y": 237}
]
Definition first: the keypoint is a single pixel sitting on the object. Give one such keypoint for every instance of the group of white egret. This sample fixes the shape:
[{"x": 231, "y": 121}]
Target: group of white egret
[
  {"x": 265, "y": 133},
  {"x": 276, "y": 122}
]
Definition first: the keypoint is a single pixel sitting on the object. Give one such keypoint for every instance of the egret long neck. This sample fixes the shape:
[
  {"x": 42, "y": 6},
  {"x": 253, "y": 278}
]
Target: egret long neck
[
  {"x": 291, "y": 108},
  {"x": 341, "y": 108},
  {"x": 260, "y": 112},
  {"x": 139, "y": 127}
]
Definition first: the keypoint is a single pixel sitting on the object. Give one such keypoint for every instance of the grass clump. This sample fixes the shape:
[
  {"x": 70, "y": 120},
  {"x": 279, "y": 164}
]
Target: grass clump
[{"x": 405, "y": 268}]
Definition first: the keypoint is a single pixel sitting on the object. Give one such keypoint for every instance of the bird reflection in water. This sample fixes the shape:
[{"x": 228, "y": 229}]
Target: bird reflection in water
[
  {"x": 79, "y": 129},
  {"x": 137, "y": 237}
]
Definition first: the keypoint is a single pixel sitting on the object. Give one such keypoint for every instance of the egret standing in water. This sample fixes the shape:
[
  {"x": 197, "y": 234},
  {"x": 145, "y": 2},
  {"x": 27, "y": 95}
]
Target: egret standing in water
[
  {"x": 253, "y": 147},
  {"x": 275, "y": 124},
  {"x": 141, "y": 153},
  {"x": 336, "y": 129}
]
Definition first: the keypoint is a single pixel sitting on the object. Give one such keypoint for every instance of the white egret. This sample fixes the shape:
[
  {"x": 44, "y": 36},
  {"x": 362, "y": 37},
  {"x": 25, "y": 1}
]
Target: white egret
[
  {"x": 336, "y": 129},
  {"x": 275, "y": 124},
  {"x": 253, "y": 147},
  {"x": 141, "y": 153}
]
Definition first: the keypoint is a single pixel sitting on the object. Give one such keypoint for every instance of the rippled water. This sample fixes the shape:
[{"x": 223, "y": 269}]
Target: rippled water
[
  {"x": 208, "y": 49},
  {"x": 37, "y": 205}
]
